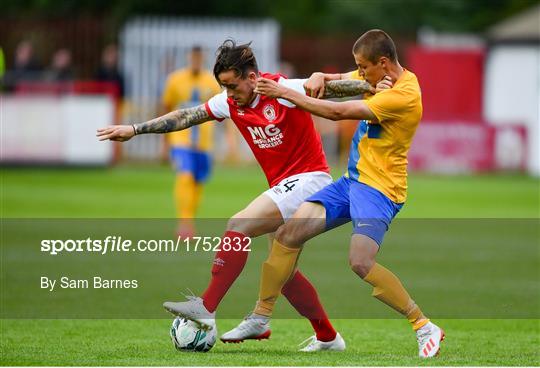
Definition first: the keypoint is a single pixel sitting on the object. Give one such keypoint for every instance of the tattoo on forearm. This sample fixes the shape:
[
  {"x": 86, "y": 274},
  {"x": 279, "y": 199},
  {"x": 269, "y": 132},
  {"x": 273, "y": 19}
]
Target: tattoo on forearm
[
  {"x": 346, "y": 88},
  {"x": 175, "y": 120}
]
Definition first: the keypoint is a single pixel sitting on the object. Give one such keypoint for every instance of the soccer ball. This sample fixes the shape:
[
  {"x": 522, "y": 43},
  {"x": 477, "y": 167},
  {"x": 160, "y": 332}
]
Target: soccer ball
[{"x": 187, "y": 336}]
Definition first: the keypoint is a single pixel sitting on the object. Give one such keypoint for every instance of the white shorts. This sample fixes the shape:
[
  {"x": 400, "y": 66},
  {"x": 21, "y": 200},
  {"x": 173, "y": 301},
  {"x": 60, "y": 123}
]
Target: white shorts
[{"x": 291, "y": 192}]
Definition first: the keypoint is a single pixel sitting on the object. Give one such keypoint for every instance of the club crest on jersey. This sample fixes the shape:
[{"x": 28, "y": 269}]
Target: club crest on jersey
[{"x": 269, "y": 112}]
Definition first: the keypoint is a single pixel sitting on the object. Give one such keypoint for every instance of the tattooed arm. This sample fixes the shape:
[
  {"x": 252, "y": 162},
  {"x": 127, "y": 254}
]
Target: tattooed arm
[
  {"x": 173, "y": 121},
  {"x": 346, "y": 88},
  {"x": 316, "y": 83},
  {"x": 326, "y": 109}
]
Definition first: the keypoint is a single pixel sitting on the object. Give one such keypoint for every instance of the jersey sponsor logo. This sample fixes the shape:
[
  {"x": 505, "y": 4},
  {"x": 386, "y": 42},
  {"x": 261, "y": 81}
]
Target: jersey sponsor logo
[
  {"x": 266, "y": 137},
  {"x": 269, "y": 113}
]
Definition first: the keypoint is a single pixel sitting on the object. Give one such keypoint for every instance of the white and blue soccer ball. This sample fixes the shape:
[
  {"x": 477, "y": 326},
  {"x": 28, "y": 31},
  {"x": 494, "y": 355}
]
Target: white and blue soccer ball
[{"x": 186, "y": 335}]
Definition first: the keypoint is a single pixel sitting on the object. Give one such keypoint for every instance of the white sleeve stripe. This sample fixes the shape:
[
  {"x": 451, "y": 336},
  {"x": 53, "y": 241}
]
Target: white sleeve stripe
[
  {"x": 219, "y": 107},
  {"x": 210, "y": 113},
  {"x": 295, "y": 84}
]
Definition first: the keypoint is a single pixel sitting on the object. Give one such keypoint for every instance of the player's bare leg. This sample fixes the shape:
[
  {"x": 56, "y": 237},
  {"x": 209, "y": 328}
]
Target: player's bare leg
[
  {"x": 250, "y": 328},
  {"x": 271, "y": 237},
  {"x": 362, "y": 253},
  {"x": 388, "y": 289},
  {"x": 307, "y": 222},
  {"x": 261, "y": 216},
  {"x": 306, "y": 302}
]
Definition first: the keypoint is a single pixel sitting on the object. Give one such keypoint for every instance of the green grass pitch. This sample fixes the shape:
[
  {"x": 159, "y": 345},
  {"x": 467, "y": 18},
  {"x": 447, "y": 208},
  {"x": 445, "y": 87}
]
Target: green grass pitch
[{"x": 145, "y": 192}]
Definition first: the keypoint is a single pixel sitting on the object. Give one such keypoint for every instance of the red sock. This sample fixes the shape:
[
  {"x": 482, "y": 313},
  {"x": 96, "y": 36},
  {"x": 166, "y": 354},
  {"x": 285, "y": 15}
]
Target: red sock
[
  {"x": 303, "y": 297},
  {"x": 228, "y": 264}
]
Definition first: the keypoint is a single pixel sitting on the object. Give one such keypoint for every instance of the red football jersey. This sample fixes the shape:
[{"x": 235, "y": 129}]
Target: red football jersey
[{"x": 281, "y": 136}]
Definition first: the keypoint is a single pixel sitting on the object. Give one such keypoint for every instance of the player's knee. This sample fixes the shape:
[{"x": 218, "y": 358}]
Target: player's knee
[
  {"x": 237, "y": 223},
  {"x": 361, "y": 266},
  {"x": 362, "y": 254},
  {"x": 289, "y": 234},
  {"x": 248, "y": 226}
]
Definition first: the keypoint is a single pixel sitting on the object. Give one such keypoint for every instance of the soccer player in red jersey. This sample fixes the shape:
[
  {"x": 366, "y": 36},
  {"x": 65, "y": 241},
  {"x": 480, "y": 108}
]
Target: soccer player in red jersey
[{"x": 289, "y": 150}]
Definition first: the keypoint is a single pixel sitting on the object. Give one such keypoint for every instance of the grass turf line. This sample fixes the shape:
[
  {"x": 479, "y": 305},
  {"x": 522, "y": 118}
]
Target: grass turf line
[
  {"x": 147, "y": 192},
  {"x": 369, "y": 342}
]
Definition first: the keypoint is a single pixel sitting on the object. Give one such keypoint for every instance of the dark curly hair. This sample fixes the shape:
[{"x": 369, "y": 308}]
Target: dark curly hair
[{"x": 239, "y": 58}]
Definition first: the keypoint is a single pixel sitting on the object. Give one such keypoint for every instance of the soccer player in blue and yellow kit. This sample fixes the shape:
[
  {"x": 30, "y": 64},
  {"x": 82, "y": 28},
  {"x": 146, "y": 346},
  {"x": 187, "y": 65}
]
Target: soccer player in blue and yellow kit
[
  {"x": 190, "y": 149},
  {"x": 372, "y": 191}
]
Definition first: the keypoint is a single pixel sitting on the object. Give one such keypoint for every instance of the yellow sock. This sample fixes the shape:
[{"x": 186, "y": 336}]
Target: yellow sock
[
  {"x": 197, "y": 197},
  {"x": 276, "y": 271},
  {"x": 186, "y": 196},
  {"x": 388, "y": 289}
]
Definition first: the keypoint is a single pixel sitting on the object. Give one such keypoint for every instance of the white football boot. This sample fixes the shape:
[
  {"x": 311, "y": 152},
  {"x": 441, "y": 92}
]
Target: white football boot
[
  {"x": 429, "y": 340},
  {"x": 194, "y": 310},
  {"x": 338, "y": 344},
  {"x": 251, "y": 328}
]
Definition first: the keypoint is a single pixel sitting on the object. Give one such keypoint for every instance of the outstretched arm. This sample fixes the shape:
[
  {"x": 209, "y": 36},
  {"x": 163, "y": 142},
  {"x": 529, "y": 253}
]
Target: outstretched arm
[
  {"x": 173, "y": 121},
  {"x": 326, "y": 109}
]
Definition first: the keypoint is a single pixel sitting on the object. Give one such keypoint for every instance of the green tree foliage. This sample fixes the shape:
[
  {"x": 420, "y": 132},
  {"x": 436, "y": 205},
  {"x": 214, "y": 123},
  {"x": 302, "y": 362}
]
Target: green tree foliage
[{"x": 321, "y": 16}]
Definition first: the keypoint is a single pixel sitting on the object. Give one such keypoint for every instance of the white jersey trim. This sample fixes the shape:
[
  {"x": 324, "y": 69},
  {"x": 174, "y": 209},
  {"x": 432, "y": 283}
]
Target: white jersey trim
[
  {"x": 219, "y": 107},
  {"x": 255, "y": 101},
  {"x": 294, "y": 84}
]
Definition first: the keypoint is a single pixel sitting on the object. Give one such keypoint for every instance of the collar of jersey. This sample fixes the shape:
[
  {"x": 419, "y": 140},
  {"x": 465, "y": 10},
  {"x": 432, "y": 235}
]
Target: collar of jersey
[{"x": 255, "y": 101}]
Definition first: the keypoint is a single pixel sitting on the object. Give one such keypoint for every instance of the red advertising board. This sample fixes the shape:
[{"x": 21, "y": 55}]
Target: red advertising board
[{"x": 456, "y": 147}]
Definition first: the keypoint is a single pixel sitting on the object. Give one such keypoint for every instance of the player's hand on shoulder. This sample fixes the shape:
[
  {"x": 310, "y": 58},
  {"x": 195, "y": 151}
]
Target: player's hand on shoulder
[
  {"x": 314, "y": 86},
  {"x": 268, "y": 87},
  {"x": 119, "y": 133},
  {"x": 385, "y": 83}
]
